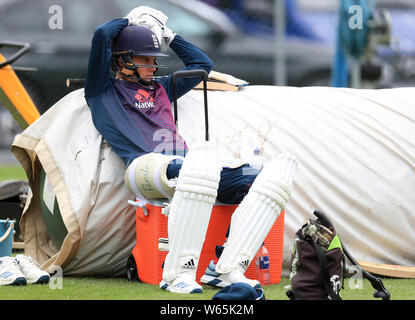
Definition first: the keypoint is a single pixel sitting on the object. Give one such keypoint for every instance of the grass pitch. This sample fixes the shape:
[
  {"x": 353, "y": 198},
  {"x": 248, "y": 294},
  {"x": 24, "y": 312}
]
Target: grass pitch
[
  {"x": 11, "y": 172},
  {"x": 90, "y": 288}
]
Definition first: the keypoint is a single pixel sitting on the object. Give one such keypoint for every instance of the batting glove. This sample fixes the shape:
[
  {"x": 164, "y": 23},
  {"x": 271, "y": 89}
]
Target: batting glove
[
  {"x": 168, "y": 35},
  {"x": 135, "y": 15}
]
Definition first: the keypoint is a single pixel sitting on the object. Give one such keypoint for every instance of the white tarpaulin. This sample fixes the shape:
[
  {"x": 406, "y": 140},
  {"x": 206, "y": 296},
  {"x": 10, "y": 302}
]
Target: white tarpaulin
[
  {"x": 355, "y": 152},
  {"x": 87, "y": 178}
]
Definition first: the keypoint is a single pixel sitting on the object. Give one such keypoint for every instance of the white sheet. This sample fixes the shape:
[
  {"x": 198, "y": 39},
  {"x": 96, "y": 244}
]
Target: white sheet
[
  {"x": 356, "y": 155},
  {"x": 355, "y": 152}
]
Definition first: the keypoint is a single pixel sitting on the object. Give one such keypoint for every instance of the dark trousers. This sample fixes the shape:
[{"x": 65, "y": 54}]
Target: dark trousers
[{"x": 234, "y": 183}]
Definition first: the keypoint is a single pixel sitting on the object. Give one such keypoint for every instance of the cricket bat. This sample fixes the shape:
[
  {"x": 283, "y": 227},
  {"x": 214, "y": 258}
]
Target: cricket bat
[
  {"x": 223, "y": 82},
  {"x": 390, "y": 270}
]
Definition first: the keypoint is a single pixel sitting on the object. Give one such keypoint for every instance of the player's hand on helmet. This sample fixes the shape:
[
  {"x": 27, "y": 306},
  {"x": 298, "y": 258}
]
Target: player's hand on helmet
[
  {"x": 167, "y": 35},
  {"x": 149, "y": 22},
  {"x": 135, "y": 15},
  {"x": 153, "y": 19}
]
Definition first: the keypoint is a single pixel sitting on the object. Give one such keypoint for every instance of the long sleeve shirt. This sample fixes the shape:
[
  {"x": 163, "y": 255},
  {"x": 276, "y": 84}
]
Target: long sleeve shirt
[{"x": 136, "y": 119}]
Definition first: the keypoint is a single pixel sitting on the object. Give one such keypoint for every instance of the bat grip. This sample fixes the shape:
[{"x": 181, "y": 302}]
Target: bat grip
[
  {"x": 73, "y": 82},
  {"x": 324, "y": 220}
]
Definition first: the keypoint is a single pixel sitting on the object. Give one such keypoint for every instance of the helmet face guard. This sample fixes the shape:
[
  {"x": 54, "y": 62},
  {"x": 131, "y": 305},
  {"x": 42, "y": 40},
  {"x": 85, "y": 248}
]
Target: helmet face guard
[
  {"x": 135, "y": 41},
  {"x": 127, "y": 60}
]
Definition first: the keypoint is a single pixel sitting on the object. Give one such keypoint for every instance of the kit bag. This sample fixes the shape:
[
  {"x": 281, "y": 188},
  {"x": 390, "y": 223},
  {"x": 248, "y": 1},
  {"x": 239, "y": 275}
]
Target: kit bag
[{"x": 317, "y": 263}]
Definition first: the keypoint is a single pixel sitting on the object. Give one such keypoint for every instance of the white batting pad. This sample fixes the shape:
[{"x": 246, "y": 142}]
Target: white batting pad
[
  {"x": 255, "y": 216},
  {"x": 190, "y": 209}
]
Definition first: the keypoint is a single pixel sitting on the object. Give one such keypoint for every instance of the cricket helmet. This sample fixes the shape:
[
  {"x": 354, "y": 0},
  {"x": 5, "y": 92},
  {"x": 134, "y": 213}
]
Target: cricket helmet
[{"x": 135, "y": 41}]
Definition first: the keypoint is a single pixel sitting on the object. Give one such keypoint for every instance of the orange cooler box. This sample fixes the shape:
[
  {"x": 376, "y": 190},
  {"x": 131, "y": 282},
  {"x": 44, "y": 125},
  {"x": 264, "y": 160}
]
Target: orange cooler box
[{"x": 150, "y": 228}]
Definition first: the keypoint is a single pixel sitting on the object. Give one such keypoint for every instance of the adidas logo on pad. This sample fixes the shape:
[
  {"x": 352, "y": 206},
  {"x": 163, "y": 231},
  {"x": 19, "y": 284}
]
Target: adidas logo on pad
[
  {"x": 244, "y": 264},
  {"x": 189, "y": 265}
]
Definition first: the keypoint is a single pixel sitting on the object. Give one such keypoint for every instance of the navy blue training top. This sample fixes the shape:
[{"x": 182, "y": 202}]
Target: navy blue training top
[{"x": 128, "y": 115}]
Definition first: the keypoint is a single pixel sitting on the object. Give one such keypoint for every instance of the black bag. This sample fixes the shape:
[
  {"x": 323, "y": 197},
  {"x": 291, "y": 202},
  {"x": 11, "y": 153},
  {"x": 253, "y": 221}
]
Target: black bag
[{"x": 318, "y": 263}]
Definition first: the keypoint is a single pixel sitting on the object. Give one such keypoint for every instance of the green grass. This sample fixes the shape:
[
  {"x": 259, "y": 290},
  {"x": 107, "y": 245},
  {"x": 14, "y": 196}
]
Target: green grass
[
  {"x": 89, "y": 288},
  {"x": 12, "y": 172}
]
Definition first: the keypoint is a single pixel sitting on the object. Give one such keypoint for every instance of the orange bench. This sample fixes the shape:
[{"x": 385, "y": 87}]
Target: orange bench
[{"x": 150, "y": 228}]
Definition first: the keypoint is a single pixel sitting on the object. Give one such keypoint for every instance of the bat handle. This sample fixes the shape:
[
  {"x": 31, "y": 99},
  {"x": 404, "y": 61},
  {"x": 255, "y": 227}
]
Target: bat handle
[
  {"x": 73, "y": 82},
  {"x": 322, "y": 217}
]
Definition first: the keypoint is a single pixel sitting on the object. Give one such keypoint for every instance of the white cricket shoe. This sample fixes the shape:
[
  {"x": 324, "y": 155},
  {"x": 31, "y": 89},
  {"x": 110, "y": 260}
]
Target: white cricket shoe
[
  {"x": 221, "y": 280},
  {"x": 32, "y": 270},
  {"x": 10, "y": 273},
  {"x": 183, "y": 283}
]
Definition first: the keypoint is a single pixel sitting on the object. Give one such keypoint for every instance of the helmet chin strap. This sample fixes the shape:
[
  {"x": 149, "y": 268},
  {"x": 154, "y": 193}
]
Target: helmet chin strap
[
  {"x": 135, "y": 77},
  {"x": 126, "y": 62},
  {"x": 143, "y": 81}
]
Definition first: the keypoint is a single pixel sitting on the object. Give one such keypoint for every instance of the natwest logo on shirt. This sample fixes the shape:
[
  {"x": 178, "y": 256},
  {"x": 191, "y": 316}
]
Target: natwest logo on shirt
[{"x": 145, "y": 100}]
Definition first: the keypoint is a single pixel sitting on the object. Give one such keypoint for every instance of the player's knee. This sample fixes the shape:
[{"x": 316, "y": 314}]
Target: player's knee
[
  {"x": 274, "y": 183},
  {"x": 146, "y": 176}
]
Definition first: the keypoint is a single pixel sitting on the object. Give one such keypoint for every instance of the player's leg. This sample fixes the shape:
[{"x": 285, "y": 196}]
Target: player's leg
[
  {"x": 252, "y": 221},
  {"x": 189, "y": 216},
  {"x": 146, "y": 176}
]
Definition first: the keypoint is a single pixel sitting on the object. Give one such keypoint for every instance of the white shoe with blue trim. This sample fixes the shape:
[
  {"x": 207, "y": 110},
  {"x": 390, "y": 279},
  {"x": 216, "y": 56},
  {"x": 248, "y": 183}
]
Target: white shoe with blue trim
[
  {"x": 32, "y": 270},
  {"x": 183, "y": 283},
  {"x": 10, "y": 273},
  {"x": 221, "y": 280}
]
